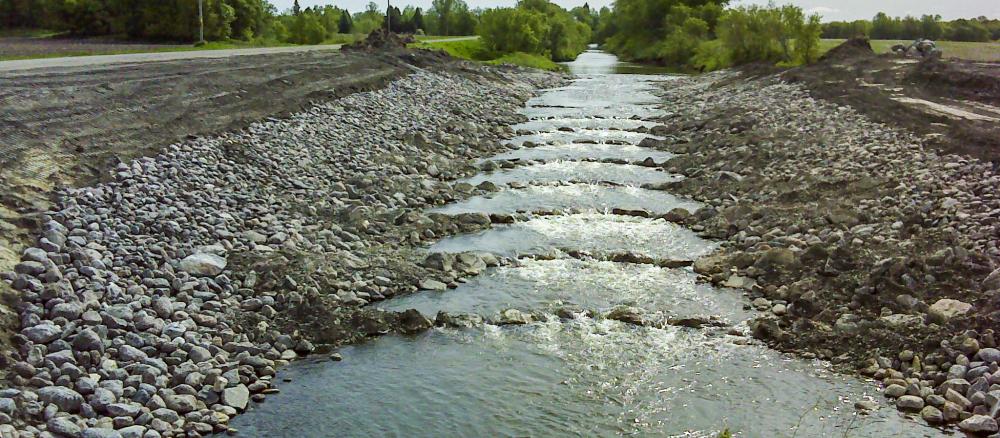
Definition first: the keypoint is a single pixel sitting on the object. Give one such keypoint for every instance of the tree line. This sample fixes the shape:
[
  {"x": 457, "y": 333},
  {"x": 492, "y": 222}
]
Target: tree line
[
  {"x": 246, "y": 20},
  {"x": 884, "y": 27},
  {"x": 706, "y": 35}
]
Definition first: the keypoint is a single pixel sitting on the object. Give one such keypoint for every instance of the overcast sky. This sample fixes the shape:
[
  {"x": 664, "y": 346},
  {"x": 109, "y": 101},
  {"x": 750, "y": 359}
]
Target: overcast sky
[{"x": 830, "y": 9}]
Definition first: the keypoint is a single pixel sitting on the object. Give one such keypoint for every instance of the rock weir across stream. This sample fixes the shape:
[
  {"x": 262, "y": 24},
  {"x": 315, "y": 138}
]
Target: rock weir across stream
[{"x": 545, "y": 327}]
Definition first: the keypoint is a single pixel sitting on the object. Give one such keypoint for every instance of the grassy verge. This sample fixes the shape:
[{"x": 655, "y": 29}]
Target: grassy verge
[
  {"x": 951, "y": 49},
  {"x": 474, "y": 50},
  {"x": 125, "y": 50},
  {"x": 21, "y": 32}
]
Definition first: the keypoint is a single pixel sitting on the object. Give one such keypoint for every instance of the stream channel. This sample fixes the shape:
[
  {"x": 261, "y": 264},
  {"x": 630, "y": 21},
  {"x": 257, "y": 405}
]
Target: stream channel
[{"x": 584, "y": 376}]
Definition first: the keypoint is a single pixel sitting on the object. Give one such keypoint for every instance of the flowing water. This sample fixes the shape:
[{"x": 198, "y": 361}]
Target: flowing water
[{"x": 584, "y": 376}]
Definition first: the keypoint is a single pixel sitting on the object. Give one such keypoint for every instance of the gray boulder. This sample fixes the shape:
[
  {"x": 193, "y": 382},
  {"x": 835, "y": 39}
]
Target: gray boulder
[
  {"x": 64, "y": 427},
  {"x": 66, "y": 399},
  {"x": 236, "y": 397},
  {"x": 203, "y": 265},
  {"x": 978, "y": 424},
  {"x": 42, "y": 333}
]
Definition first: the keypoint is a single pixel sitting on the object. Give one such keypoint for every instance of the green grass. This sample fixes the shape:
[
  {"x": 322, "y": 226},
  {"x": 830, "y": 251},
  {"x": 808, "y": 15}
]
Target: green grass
[
  {"x": 212, "y": 45},
  {"x": 952, "y": 49},
  {"x": 27, "y": 33},
  {"x": 474, "y": 50},
  {"x": 465, "y": 49},
  {"x": 347, "y": 38},
  {"x": 527, "y": 60}
]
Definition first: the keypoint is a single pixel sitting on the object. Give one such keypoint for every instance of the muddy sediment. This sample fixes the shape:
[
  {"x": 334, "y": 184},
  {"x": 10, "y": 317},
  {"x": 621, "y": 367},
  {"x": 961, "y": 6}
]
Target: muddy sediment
[{"x": 868, "y": 243}]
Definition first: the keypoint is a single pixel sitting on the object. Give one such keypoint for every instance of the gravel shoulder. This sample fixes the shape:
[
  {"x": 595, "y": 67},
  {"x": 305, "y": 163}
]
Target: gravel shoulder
[{"x": 865, "y": 228}]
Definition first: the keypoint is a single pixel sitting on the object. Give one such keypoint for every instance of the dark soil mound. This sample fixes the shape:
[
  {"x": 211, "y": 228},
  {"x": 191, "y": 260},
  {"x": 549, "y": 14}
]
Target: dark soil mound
[
  {"x": 380, "y": 39},
  {"x": 851, "y": 49},
  {"x": 962, "y": 79}
]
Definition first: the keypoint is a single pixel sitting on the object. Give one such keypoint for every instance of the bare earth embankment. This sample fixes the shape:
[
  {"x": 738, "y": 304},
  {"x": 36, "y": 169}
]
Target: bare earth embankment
[{"x": 857, "y": 201}]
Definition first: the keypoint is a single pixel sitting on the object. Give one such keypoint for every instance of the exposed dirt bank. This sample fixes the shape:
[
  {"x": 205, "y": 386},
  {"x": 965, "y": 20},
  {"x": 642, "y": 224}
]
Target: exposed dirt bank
[{"x": 954, "y": 103}]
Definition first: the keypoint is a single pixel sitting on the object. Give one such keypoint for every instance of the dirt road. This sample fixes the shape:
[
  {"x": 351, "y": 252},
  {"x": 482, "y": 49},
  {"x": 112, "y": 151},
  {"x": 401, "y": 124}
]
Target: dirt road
[{"x": 61, "y": 127}]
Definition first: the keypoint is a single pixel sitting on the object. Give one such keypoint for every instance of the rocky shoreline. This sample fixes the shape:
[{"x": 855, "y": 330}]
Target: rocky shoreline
[
  {"x": 862, "y": 244},
  {"x": 162, "y": 302}
]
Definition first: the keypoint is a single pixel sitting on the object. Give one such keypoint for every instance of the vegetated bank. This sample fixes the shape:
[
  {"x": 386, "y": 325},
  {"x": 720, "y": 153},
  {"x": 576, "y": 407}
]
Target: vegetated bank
[
  {"x": 865, "y": 225},
  {"x": 473, "y": 50},
  {"x": 161, "y": 301},
  {"x": 704, "y": 36},
  {"x": 535, "y": 33}
]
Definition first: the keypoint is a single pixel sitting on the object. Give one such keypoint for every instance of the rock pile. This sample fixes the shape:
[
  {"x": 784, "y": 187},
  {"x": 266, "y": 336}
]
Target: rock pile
[
  {"x": 863, "y": 245},
  {"x": 162, "y": 302}
]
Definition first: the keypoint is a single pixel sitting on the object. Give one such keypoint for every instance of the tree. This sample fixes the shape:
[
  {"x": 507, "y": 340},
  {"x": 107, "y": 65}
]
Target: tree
[
  {"x": 296, "y": 9},
  {"x": 345, "y": 25},
  {"x": 417, "y": 22},
  {"x": 508, "y": 30},
  {"x": 883, "y": 27},
  {"x": 930, "y": 27},
  {"x": 444, "y": 9},
  {"x": 807, "y": 37},
  {"x": 395, "y": 20}
]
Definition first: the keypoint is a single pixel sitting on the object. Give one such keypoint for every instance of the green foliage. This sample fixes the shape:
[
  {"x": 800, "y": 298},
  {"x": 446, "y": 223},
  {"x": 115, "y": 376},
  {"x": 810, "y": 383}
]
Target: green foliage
[
  {"x": 664, "y": 31},
  {"x": 807, "y": 40},
  {"x": 466, "y": 49},
  {"x": 476, "y": 50},
  {"x": 534, "y": 27},
  {"x": 174, "y": 20},
  {"x": 369, "y": 20},
  {"x": 527, "y": 60},
  {"x": 345, "y": 24},
  {"x": 508, "y": 30},
  {"x": 702, "y": 35},
  {"x": 307, "y": 29},
  {"x": 711, "y": 55},
  {"x": 884, "y": 27},
  {"x": 450, "y": 17}
]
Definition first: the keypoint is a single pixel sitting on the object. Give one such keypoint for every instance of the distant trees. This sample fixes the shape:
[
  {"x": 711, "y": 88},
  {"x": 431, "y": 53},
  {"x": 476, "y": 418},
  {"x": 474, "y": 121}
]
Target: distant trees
[
  {"x": 884, "y": 27},
  {"x": 450, "y": 17},
  {"x": 175, "y": 20}
]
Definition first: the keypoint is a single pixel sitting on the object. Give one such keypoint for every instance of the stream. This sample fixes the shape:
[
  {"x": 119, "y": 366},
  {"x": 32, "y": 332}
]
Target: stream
[{"x": 584, "y": 376}]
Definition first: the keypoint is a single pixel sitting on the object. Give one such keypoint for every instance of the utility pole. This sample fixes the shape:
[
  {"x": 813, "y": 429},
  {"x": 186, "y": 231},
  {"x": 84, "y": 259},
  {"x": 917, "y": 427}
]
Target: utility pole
[{"x": 201, "y": 22}]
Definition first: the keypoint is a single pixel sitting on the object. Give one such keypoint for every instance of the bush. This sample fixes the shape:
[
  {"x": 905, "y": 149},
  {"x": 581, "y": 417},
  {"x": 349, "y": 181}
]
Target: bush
[
  {"x": 536, "y": 27},
  {"x": 769, "y": 34},
  {"x": 508, "y": 30}
]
